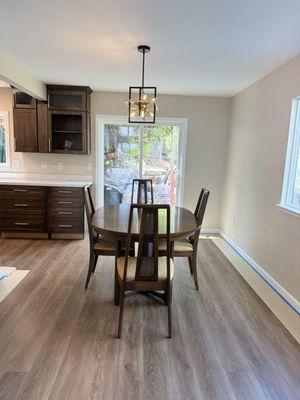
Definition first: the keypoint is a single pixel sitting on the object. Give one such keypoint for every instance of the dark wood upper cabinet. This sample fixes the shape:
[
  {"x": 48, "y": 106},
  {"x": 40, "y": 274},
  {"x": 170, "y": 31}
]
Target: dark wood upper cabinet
[
  {"x": 67, "y": 132},
  {"x": 25, "y": 130},
  {"x": 69, "y": 119},
  {"x": 60, "y": 125},
  {"x": 68, "y": 98}
]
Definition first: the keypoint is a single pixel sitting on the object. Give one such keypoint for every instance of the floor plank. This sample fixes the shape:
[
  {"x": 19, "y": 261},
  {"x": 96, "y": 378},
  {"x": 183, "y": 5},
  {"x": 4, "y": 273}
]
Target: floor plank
[{"x": 58, "y": 341}]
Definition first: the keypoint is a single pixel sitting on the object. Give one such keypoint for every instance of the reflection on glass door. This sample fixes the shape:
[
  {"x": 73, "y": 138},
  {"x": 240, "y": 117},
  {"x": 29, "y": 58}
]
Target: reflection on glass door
[
  {"x": 160, "y": 161},
  {"x": 121, "y": 160},
  {"x": 139, "y": 151}
]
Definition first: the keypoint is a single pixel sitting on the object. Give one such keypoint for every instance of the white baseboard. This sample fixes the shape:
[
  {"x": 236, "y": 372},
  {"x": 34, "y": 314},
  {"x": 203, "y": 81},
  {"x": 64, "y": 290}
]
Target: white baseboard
[
  {"x": 275, "y": 286},
  {"x": 210, "y": 232}
]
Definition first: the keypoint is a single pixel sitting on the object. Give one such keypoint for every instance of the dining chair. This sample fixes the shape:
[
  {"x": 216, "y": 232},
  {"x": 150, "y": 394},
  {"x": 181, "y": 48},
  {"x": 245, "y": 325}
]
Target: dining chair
[
  {"x": 98, "y": 245},
  {"x": 144, "y": 186},
  {"x": 188, "y": 247},
  {"x": 147, "y": 272}
]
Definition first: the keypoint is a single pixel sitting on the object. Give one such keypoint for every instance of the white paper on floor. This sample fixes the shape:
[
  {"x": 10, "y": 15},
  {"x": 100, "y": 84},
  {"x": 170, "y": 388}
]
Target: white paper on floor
[{"x": 10, "y": 277}]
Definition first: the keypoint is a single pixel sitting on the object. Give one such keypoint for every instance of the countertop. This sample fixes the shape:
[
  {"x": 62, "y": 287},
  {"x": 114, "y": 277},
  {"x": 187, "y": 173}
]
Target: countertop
[{"x": 44, "y": 180}]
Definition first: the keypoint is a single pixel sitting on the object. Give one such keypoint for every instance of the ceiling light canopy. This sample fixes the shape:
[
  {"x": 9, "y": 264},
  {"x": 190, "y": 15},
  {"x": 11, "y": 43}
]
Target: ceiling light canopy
[{"x": 142, "y": 101}]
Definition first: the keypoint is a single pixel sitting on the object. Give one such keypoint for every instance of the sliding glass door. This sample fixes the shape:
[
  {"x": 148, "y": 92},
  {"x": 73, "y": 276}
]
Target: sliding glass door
[{"x": 140, "y": 151}]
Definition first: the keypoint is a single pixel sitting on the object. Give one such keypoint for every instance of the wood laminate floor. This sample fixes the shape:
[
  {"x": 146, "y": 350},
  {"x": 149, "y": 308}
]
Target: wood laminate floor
[{"x": 57, "y": 341}]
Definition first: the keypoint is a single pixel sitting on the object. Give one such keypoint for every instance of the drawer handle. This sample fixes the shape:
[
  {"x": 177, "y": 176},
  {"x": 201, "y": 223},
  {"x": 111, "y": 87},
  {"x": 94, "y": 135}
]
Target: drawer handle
[
  {"x": 65, "y": 212},
  {"x": 65, "y": 191},
  {"x": 22, "y": 223},
  {"x": 65, "y": 226},
  {"x": 65, "y": 202},
  {"x": 20, "y": 190},
  {"x": 20, "y": 205}
]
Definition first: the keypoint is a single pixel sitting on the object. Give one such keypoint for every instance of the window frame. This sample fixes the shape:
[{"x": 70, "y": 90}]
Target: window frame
[
  {"x": 292, "y": 156},
  {"x": 5, "y": 116},
  {"x": 101, "y": 120}
]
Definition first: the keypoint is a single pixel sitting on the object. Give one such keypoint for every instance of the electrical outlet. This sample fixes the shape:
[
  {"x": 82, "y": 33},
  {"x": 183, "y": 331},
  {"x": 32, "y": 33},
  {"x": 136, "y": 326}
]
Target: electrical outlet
[
  {"x": 89, "y": 167},
  {"x": 60, "y": 166},
  {"x": 233, "y": 222},
  {"x": 16, "y": 163},
  {"x": 44, "y": 165}
]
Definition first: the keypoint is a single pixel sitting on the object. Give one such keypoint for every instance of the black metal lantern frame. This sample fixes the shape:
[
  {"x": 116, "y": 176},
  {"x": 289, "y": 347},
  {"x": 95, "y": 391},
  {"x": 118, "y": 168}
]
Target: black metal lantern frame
[
  {"x": 135, "y": 105},
  {"x": 141, "y": 102}
]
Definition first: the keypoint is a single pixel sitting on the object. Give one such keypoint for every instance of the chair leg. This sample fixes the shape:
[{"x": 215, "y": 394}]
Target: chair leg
[
  {"x": 169, "y": 320},
  {"x": 194, "y": 264},
  {"x": 169, "y": 302},
  {"x": 95, "y": 262},
  {"x": 122, "y": 296},
  {"x": 190, "y": 264},
  {"x": 117, "y": 289},
  {"x": 90, "y": 270}
]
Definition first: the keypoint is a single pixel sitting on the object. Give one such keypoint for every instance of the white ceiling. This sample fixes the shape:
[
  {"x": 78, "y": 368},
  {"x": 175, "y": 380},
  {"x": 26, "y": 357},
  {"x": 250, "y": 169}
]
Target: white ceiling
[{"x": 199, "y": 47}]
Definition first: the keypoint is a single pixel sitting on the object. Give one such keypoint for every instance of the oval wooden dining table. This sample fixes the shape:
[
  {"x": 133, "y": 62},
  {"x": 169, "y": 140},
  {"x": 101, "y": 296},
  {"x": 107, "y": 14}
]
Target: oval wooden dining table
[{"x": 112, "y": 222}]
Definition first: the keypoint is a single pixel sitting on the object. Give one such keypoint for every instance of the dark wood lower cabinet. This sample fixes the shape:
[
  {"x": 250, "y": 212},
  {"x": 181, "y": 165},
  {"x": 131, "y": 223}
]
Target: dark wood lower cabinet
[
  {"x": 65, "y": 210},
  {"x": 35, "y": 209}
]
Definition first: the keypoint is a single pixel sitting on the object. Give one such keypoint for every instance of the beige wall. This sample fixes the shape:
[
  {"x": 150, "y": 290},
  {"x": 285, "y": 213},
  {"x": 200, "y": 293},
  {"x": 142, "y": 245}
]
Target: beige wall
[
  {"x": 258, "y": 140},
  {"x": 207, "y": 139}
]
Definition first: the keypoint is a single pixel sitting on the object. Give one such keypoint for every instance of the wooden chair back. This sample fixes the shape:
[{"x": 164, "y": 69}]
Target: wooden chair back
[
  {"x": 143, "y": 192},
  {"x": 147, "y": 257},
  {"x": 88, "y": 188},
  {"x": 201, "y": 206},
  {"x": 199, "y": 214},
  {"x": 89, "y": 211}
]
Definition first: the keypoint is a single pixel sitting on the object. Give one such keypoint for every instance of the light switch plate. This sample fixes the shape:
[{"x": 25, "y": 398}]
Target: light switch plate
[
  {"x": 60, "y": 166},
  {"x": 16, "y": 163},
  {"x": 44, "y": 165}
]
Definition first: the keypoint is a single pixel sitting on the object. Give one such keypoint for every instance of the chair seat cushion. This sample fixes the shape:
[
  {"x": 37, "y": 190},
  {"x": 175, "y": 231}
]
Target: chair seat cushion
[
  {"x": 106, "y": 245},
  {"x": 131, "y": 268},
  {"x": 179, "y": 245}
]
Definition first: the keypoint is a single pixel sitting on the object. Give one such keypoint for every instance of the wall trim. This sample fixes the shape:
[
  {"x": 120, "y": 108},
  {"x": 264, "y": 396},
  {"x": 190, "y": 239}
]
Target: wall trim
[
  {"x": 271, "y": 282},
  {"x": 210, "y": 232}
]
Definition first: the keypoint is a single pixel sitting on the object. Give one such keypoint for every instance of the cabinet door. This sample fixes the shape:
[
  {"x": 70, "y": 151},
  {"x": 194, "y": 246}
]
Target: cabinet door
[
  {"x": 67, "y": 100},
  {"x": 42, "y": 127},
  {"x": 24, "y": 100},
  {"x": 25, "y": 130}
]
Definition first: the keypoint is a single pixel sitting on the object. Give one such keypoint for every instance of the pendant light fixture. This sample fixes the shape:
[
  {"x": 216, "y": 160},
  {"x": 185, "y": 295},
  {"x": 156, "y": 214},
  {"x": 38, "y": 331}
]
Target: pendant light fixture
[{"x": 142, "y": 101}]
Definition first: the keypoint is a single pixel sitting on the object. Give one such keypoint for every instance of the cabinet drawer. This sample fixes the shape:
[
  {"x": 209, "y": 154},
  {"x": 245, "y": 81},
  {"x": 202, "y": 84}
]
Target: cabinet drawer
[
  {"x": 66, "y": 225},
  {"x": 19, "y": 192},
  {"x": 66, "y": 202},
  {"x": 57, "y": 212},
  {"x": 16, "y": 222},
  {"x": 34, "y": 205},
  {"x": 66, "y": 192}
]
